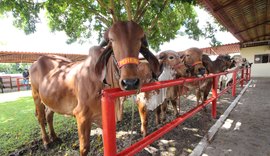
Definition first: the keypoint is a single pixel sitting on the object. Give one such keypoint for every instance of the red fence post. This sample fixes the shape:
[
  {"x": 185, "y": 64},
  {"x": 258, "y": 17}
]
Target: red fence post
[
  {"x": 234, "y": 83},
  {"x": 108, "y": 125},
  {"x": 242, "y": 78},
  {"x": 18, "y": 83},
  {"x": 214, "y": 95}
]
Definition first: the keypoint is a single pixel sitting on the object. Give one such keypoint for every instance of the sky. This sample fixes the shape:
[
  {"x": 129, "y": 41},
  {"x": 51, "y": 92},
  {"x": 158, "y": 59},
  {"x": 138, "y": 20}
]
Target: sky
[{"x": 13, "y": 39}]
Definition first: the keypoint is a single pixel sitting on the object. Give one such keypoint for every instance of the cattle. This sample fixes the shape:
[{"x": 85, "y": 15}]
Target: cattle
[
  {"x": 192, "y": 59},
  {"x": 153, "y": 99},
  {"x": 221, "y": 64},
  {"x": 74, "y": 89},
  {"x": 206, "y": 66},
  {"x": 185, "y": 64},
  {"x": 149, "y": 100},
  {"x": 174, "y": 65},
  {"x": 239, "y": 62},
  {"x": 173, "y": 60}
]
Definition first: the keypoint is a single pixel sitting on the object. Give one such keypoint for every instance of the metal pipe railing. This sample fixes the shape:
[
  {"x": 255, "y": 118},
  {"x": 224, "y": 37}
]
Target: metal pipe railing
[{"x": 108, "y": 110}]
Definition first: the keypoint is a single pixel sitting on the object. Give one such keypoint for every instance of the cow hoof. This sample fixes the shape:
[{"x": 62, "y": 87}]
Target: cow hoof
[
  {"x": 57, "y": 140},
  {"x": 47, "y": 146},
  {"x": 144, "y": 134}
]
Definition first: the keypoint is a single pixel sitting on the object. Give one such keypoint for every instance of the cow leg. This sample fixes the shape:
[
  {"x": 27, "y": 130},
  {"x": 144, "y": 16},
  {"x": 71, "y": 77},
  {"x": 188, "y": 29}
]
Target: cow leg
[
  {"x": 40, "y": 113},
  {"x": 174, "y": 104},
  {"x": 157, "y": 114},
  {"x": 198, "y": 96},
  {"x": 143, "y": 117},
  {"x": 220, "y": 85},
  {"x": 84, "y": 127},
  {"x": 49, "y": 118},
  {"x": 206, "y": 92},
  {"x": 119, "y": 107},
  {"x": 163, "y": 110}
]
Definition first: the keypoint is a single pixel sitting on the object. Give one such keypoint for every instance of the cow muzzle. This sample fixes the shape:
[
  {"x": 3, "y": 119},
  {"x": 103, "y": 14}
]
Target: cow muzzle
[
  {"x": 128, "y": 73},
  {"x": 202, "y": 71},
  {"x": 130, "y": 84}
]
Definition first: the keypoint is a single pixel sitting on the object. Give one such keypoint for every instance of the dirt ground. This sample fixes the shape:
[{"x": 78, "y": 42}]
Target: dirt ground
[
  {"x": 180, "y": 141},
  {"x": 246, "y": 130}
]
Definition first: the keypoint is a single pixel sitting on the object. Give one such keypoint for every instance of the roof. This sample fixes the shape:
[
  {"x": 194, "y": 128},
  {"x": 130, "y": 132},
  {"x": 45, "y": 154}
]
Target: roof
[
  {"x": 30, "y": 57},
  {"x": 223, "y": 49},
  {"x": 247, "y": 20}
]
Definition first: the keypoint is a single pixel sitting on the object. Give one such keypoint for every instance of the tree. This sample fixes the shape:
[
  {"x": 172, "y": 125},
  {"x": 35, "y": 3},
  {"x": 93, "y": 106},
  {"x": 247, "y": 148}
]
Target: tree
[
  {"x": 13, "y": 68},
  {"x": 161, "y": 19}
]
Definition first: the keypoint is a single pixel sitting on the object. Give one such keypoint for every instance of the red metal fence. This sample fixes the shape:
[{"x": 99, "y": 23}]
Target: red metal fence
[{"x": 108, "y": 110}]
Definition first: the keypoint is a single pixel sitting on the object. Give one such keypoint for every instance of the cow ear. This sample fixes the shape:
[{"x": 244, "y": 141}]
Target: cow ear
[
  {"x": 162, "y": 56},
  {"x": 102, "y": 61},
  {"x": 233, "y": 64},
  {"x": 153, "y": 61},
  {"x": 105, "y": 40},
  {"x": 144, "y": 41},
  {"x": 103, "y": 43}
]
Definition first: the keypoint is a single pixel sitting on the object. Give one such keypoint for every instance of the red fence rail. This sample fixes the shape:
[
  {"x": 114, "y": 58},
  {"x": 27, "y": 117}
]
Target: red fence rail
[{"x": 108, "y": 110}]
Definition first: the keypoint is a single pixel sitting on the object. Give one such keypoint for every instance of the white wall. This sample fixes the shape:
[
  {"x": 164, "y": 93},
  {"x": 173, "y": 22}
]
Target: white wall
[{"x": 258, "y": 69}]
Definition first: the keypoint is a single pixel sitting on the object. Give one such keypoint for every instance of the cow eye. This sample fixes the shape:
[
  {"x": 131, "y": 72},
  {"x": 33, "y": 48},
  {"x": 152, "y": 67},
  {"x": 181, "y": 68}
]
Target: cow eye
[{"x": 171, "y": 57}]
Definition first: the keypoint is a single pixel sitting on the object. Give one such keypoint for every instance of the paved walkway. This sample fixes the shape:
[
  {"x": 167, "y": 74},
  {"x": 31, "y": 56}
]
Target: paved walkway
[
  {"x": 246, "y": 132},
  {"x": 12, "y": 96}
]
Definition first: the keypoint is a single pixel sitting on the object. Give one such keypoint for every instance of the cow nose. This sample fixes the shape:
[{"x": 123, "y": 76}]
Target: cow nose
[
  {"x": 201, "y": 71},
  {"x": 130, "y": 84}
]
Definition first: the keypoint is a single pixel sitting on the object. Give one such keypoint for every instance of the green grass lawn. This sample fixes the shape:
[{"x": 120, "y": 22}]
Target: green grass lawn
[{"x": 19, "y": 127}]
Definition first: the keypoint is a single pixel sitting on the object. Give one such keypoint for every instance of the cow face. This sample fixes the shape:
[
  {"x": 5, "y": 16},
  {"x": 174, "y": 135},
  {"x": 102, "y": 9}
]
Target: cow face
[
  {"x": 125, "y": 40},
  {"x": 225, "y": 62},
  {"x": 193, "y": 60},
  {"x": 174, "y": 60}
]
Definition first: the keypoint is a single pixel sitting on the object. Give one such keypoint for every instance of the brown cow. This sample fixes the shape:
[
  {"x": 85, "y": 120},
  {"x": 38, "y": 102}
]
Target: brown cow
[
  {"x": 173, "y": 60},
  {"x": 75, "y": 88},
  {"x": 192, "y": 59},
  {"x": 145, "y": 100}
]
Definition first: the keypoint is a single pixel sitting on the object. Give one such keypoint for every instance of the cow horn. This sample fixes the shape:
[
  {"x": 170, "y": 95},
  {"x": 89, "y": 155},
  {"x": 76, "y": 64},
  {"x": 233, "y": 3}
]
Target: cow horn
[
  {"x": 144, "y": 41},
  {"x": 103, "y": 43}
]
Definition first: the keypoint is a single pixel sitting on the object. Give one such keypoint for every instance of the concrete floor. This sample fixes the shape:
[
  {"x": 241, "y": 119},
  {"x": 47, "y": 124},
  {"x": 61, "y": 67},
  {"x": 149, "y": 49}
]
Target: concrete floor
[{"x": 246, "y": 132}]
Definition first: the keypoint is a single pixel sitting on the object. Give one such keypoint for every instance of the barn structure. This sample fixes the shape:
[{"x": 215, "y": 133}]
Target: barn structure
[
  {"x": 8, "y": 56},
  {"x": 250, "y": 25}
]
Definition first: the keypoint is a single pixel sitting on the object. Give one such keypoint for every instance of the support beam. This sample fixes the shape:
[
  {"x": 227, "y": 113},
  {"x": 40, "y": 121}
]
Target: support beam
[
  {"x": 224, "y": 6},
  {"x": 263, "y": 23}
]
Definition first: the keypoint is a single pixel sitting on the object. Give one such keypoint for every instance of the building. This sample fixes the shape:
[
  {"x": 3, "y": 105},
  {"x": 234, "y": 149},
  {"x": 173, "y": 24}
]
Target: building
[{"x": 250, "y": 25}]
